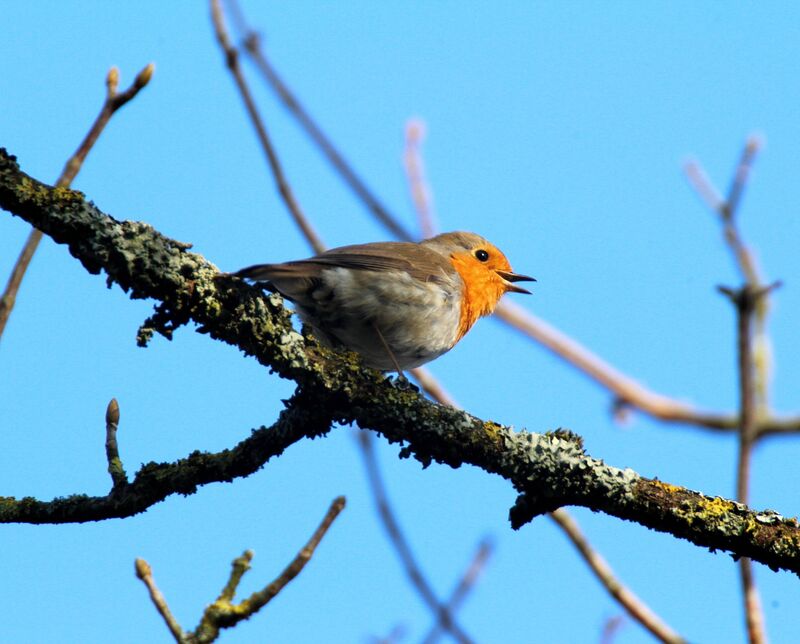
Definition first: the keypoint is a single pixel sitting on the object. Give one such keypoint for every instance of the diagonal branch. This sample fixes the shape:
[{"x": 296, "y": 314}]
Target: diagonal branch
[
  {"x": 232, "y": 62},
  {"x": 415, "y": 175},
  {"x": 397, "y": 537},
  {"x": 636, "y": 608},
  {"x": 145, "y": 573},
  {"x": 548, "y": 470},
  {"x": 252, "y": 44},
  {"x": 113, "y": 102},
  {"x": 465, "y": 584},
  {"x": 223, "y": 613}
]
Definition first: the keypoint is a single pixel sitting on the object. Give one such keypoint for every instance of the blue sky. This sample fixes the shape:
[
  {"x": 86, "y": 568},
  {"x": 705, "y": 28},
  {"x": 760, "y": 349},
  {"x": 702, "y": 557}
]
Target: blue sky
[{"x": 558, "y": 131}]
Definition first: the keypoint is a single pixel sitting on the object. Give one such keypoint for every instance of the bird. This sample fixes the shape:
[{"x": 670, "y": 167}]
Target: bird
[{"x": 399, "y": 305}]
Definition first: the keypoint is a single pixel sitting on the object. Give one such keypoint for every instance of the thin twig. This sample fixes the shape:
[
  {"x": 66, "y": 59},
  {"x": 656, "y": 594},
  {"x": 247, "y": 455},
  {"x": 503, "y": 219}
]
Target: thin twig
[
  {"x": 752, "y": 147},
  {"x": 417, "y": 183},
  {"x": 223, "y": 613},
  {"x": 261, "y": 597},
  {"x": 145, "y": 573},
  {"x": 746, "y": 301},
  {"x": 752, "y": 305},
  {"x": 396, "y": 635},
  {"x": 754, "y": 617},
  {"x": 112, "y": 103},
  {"x": 232, "y": 62},
  {"x": 239, "y": 566},
  {"x": 252, "y": 44},
  {"x": 118, "y": 477},
  {"x": 464, "y": 586},
  {"x": 401, "y": 544},
  {"x": 431, "y": 386},
  {"x": 626, "y": 389},
  {"x": 727, "y": 208},
  {"x": 635, "y": 607},
  {"x": 727, "y": 211}
]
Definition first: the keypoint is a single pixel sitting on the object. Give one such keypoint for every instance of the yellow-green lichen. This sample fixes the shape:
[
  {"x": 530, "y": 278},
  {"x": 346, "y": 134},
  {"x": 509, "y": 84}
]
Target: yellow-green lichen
[{"x": 711, "y": 508}]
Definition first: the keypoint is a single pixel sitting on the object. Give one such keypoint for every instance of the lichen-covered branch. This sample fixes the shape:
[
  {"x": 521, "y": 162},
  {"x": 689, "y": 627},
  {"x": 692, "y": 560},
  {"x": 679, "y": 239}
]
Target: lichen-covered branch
[
  {"x": 156, "y": 481},
  {"x": 548, "y": 470}
]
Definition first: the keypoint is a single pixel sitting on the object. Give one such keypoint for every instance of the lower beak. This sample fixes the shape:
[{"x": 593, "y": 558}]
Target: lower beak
[{"x": 514, "y": 277}]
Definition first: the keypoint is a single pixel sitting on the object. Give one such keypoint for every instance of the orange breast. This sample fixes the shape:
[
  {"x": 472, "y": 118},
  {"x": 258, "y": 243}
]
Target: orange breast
[{"x": 483, "y": 288}]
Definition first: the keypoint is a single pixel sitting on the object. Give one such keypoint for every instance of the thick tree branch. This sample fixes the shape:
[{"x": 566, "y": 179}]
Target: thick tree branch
[{"x": 548, "y": 470}]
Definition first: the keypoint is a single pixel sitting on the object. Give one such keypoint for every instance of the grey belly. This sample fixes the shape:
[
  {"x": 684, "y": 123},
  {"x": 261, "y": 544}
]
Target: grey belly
[{"x": 417, "y": 320}]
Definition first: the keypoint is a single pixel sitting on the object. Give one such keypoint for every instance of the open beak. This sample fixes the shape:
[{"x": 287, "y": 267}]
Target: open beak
[{"x": 514, "y": 277}]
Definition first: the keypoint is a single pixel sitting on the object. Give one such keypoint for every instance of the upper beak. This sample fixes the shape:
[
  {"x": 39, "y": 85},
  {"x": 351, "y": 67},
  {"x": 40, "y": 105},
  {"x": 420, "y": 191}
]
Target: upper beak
[{"x": 514, "y": 277}]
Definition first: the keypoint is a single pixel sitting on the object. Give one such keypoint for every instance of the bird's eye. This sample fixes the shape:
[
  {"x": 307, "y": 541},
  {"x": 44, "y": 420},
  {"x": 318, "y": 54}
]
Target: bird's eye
[{"x": 481, "y": 255}]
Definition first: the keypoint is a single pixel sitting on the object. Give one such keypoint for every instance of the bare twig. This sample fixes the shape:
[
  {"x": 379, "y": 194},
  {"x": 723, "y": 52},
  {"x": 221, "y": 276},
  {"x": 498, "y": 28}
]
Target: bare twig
[
  {"x": 118, "y": 477},
  {"x": 635, "y": 607},
  {"x": 400, "y": 543},
  {"x": 464, "y": 586},
  {"x": 112, "y": 103},
  {"x": 626, "y": 389},
  {"x": 239, "y": 566},
  {"x": 232, "y": 61},
  {"x": 752, "y": 305},
  {"x": 291, "y": 571},
  {"x": 415, "y": 172},
  {"x": 727, "y": 210},
  {"x": 145, "y": 573},
  {"x": 397, "y": 634},
  {"x": 225, "y": 614},
  {"x": 252, "y": 44},
  {"x": 728, "y": 207},
  {"x": 746, "y": 302}
]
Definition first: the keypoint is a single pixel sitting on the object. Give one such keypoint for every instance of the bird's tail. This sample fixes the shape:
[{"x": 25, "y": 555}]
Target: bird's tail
[{"x": 266, "y": 272}]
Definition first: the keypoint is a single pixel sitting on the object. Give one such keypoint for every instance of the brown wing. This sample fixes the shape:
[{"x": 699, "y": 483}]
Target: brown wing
[{"x": 419, "y": 261}]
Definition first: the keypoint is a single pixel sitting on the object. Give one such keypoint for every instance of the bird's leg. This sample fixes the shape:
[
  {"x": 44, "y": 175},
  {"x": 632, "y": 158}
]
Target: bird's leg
[{"x": 400, "y": 374}]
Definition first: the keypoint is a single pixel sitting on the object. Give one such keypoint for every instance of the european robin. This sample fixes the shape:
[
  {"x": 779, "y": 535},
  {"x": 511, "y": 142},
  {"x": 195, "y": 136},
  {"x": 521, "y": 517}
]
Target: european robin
[{"x": 397, "y": 304}]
